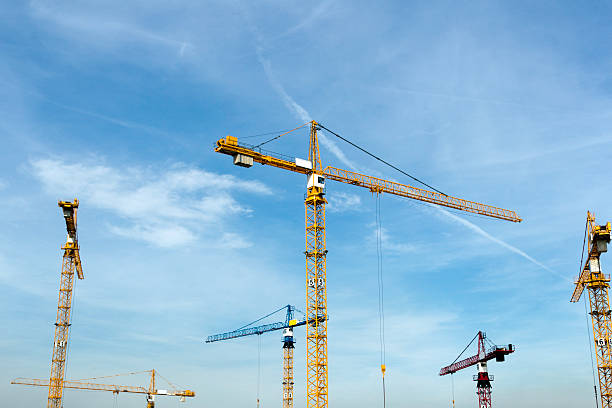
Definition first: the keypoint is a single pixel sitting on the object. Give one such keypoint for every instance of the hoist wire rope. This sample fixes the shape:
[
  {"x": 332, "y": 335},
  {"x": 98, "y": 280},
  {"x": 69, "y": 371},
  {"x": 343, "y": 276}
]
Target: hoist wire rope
[
  {"x": 282, "y": 134},
  {"x": 591, "y": 350},
  {"x": 381, "y": 295},
  {"x": 453, "y": 389},
  {"x": 258, "y": 366},
  {"x": 381, "y": 160},
  {"x": 586, "y": 313}
]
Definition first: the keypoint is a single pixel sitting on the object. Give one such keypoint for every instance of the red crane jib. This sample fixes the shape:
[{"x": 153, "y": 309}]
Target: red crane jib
[{"x": 497, "y": 353}]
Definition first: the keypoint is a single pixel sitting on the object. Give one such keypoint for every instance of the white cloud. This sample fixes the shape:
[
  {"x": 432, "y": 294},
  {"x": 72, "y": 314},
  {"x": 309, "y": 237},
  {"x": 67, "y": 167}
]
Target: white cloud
[
  {"x": 298, "y": 110},
  {"x": 164, "y": 207},
  {"x": 388, "y": 244},
  {"x": 341, "y": 202},
  {"x": 97, "y": 26}
]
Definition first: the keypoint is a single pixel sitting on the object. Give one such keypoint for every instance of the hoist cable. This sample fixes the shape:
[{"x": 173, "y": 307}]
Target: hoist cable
[
  {"x": 381, "y": 295},
  {"x": 586, "y": 314},
  {"x": 453, "y": 388},
  {"x": 591, "y": 350},
  {"x": 381, "y": 160},
  {"x": 258, "y": 366},
  {"x": 381, "y": 288}
]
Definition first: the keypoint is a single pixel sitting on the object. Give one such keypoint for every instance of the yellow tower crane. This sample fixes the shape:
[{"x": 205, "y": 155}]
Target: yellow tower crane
[
  {"x": 316, "y": 252},
  {"x": 71, "y": 263},
  {"x": 150, "y": 393},
  {"x": 596, "y": 240}
]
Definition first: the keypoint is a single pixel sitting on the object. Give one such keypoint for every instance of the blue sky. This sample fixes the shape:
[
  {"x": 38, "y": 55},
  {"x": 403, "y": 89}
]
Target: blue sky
[{"x": 506, "y": 103}]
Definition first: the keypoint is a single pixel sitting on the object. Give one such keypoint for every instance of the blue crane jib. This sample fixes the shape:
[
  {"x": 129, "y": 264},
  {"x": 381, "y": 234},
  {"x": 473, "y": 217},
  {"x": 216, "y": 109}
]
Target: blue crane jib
[{"x": 247, "y": 331}]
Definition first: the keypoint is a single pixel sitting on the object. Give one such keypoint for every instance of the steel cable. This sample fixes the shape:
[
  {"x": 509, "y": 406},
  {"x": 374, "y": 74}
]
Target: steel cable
[
  {"x": 381, "y": 160},
  {"x": 381, "y": 294},
  {"x": 586, "y": 314}
]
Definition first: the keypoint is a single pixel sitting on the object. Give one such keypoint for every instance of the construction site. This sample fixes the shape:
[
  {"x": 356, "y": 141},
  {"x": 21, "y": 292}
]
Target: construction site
[{"x": 292, "y": 206}]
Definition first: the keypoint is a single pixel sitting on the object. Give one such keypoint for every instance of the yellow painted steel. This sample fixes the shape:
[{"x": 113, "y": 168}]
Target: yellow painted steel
[
  {"x": 377, "y": 185},
  {"x": 288, "y": 377},
  {"x": 316, "y": 286},
  {"x": 116, "y": 389},
  {"x": 229, "y": 145},
  {"x": 71, "y": 262},
  {"x": 597, "y": 284},
  {"x": 316, "y": 251}
]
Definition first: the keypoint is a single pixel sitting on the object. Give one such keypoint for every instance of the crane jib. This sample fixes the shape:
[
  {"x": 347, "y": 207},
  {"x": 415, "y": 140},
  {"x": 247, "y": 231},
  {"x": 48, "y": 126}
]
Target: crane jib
[{"x": 245, "y": 155}]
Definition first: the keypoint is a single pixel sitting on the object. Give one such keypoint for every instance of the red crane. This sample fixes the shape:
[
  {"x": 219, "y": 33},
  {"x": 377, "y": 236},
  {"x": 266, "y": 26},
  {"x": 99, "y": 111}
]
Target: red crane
[{"x": 483, "y": 385}]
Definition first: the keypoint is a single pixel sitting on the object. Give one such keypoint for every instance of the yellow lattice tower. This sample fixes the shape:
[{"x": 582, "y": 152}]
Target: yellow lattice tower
[
  {"x": 316, "y": 308},
  {"x": 597, "y": 284},
  {"x": 71, "y": 263},
  {"x": 316, "y": 252}
]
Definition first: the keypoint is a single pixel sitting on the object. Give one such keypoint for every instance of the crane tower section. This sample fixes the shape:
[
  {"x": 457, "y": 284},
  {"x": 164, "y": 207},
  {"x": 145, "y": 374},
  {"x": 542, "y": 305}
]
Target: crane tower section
[
  {"x": 71, "y": 263},
  {"x": 483, "y": 378},
  {"x": 597, "y": 284},
  {"x": 288, "y": 345},
  {"x": 316, "y": 290},
  {"x": 316, "y": 252}
]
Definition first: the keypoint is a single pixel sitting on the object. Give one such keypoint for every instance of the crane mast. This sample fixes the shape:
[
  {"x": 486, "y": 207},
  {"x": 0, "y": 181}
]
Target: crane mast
[
  {"x": 316, "y": 251},
  {"x": 316, "y": 277},
  {"x": 597, "y": 283},
  {"x": 71, "y": 262},
  {"x": 288, "y": 345},
  {"x": 483, "y": 379}
]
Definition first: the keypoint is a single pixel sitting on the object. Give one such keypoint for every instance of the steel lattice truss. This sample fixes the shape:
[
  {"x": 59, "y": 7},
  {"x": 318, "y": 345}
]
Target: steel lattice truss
[{"x": 597, "y": 284}]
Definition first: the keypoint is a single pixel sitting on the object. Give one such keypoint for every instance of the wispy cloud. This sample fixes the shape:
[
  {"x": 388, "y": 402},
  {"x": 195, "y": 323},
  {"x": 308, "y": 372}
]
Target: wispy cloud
[
  {"x": 498, "y": 241},
  {"x": 94, "y": 25},
  {"x": 295, "y": 108},
  {"x": 342, "y": 202},
  {"x": 316, "y": 13},
  {"x": 299, "y": 111},
  {"x": 164, "y": 207},
  {"x": 390, "y": 245}
]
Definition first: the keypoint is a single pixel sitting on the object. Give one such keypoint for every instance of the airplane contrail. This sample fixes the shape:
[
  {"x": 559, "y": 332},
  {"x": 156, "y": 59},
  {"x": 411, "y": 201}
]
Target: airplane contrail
[{"x": 498, "y": 241}]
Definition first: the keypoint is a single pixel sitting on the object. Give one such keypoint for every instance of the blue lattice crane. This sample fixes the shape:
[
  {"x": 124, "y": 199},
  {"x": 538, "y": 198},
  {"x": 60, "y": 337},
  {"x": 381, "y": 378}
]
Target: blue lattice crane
[{"x": 287, "y": 340}]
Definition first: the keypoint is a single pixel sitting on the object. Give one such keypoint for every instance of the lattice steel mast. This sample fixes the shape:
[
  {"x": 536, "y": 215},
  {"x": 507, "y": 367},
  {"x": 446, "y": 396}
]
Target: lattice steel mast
[
  {"x": 597, "y": 238},
  {"x": 288, "y": 345},
  {"x": 316, "y": 251},
  {"x": 316, "y": 289},
  {"x": 71, "y": 262},
  {"x": 483, "y": 379}
]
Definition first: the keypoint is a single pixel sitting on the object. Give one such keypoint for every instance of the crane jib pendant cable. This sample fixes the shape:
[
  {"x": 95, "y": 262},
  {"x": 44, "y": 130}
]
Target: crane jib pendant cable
[{"x": 246, "y": 156}]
